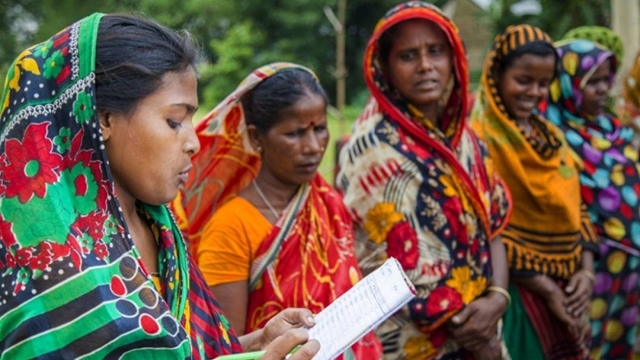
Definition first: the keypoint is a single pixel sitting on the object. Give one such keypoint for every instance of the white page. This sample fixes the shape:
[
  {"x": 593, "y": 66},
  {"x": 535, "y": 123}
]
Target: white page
[{"x": 361, "y": 309}]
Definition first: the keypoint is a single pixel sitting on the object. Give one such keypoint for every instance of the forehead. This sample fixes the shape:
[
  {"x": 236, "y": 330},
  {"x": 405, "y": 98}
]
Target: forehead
[
  {"x": 535, "y": 65},
  {"x": 418, "y": 31},
  {"x": 178, "y": 87},
  {"x": 311, "y": 107}
]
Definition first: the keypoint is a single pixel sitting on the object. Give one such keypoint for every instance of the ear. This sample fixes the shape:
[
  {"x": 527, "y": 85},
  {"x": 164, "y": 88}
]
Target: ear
[
  {"x": 106, "y": 120},
  {"x": 255, "y": 139}
]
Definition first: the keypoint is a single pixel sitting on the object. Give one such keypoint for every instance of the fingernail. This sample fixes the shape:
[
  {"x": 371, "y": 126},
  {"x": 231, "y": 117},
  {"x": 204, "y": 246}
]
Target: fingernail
[
  {"x": 455, "y": 319},
  {"x": 311, "y": 319}
]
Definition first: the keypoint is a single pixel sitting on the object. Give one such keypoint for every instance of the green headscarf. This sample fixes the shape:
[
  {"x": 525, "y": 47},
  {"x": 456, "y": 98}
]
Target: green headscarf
[{"x": 600, "y": 35}]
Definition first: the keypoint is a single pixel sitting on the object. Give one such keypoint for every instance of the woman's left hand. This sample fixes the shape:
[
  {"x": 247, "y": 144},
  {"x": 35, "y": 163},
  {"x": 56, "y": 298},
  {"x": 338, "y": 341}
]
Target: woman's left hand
[
  {"x": 476, "y": 325},
  {"x": 578, "y": 293}
]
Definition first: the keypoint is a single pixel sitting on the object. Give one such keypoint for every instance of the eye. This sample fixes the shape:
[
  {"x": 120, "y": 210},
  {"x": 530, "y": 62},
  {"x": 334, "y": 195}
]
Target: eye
[
  {"x": 407, "y": 56},
  {"x": 436, "y": 50},
  {"x": 173, "y": 124},
  {"x": 295, "y": 133},
  {"x": 523, "y": 80},
  {"x": 319, "y": 128}
]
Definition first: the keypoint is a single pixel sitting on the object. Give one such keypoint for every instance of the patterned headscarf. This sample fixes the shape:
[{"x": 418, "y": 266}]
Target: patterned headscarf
[
  {"x": 396, "y": 106},
  {"x": 601, "y": 35},
  {"x": 72, "y": 282},
  {"x": 226, "y": 162},
  {"x": 610, "y": 176}
]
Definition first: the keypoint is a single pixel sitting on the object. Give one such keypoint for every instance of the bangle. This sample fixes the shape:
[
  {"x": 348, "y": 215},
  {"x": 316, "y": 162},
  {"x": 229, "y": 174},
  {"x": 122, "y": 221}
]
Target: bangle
[
  {"x": 501, "y": 291},
  {"x": 589, "y": 275}
]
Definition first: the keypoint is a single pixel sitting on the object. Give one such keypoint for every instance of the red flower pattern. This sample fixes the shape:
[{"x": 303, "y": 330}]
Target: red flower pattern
[
  {"x": 31, "y": 164},
  {"x": 402, "y": 244},
  {"x": 6, "y": 234},
  {"x": 442, "y": 300}
]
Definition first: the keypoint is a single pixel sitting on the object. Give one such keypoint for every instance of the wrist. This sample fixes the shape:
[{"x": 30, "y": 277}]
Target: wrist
[
  {"x": 589, "y": 275},
  {"x": 498, "y": 295}
]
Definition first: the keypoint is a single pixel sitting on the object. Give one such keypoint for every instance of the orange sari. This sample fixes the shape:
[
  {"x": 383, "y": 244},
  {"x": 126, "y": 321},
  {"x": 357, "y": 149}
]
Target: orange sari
[{"x": 307, "y": 260}]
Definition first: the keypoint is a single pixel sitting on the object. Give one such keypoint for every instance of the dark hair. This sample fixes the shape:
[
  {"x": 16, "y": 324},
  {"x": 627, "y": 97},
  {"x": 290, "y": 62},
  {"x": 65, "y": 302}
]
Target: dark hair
[
  {"x": 537, "y": 48},
  {"x": 264, "y": 104},
  {"x": 132, "y": 55}
]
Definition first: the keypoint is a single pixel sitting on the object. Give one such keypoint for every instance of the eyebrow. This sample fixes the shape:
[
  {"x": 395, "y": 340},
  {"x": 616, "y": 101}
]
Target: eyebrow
[{"x": 190, "y": 108}]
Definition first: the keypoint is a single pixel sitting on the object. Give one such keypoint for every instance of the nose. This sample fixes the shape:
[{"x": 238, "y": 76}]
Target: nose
[
  {"x": 191, "y": 144},
  {"x": 313, "y": 144},
  {"x": 602, "y": 87},
  {"x": 425, "y": 62},
  {"x": 538, "y": 91}
]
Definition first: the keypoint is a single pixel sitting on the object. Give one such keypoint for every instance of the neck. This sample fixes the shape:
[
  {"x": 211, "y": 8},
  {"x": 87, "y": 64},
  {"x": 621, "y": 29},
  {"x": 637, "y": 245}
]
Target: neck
[
  {"x": 128, "y": 205},
  {"x": 277, "y": 193}
]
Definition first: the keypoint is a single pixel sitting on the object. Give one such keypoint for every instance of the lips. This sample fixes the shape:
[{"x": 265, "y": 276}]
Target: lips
[
  {"x": 427, "y": 84},
  {"x": 309, "y": 166},
  {"x": 184, "y": 175},
  {"x": 527, "y": 105}
]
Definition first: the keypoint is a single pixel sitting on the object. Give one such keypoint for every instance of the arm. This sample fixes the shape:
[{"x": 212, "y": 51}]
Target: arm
[
  {"x": 475, "y": 327},
  {"x": 580, "y": 287},
  {"x": 233, "y": 298}
]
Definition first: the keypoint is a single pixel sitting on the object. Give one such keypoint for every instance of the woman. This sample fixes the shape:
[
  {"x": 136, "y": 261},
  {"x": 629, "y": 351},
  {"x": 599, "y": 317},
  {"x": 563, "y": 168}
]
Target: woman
[
  {"x": 274, "y": 234},
  {"x": 421, "y": 188},
  {"x": 609, "y": 184},
  {"x": 549, "y": 239},
  {"x": 96, "y": 136}
]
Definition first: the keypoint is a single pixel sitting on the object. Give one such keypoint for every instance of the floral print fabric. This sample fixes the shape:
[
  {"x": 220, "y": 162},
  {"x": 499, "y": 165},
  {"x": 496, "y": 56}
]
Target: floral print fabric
[
  {"x": 65, "y": 253},
  {"x": 427, "y": 196}
]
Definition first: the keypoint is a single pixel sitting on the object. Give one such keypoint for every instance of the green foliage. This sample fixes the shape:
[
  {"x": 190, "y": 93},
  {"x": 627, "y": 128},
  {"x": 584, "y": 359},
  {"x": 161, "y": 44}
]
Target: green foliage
[
  {"x": 240, "y": 35},
  {"x": 236, "y": 55},
  {"x": 556, "y": 18}
]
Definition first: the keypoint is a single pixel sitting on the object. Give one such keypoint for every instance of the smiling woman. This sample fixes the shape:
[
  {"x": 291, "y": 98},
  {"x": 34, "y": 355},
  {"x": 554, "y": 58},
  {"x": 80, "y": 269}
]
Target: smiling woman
[{"x": 549, "y": 240}]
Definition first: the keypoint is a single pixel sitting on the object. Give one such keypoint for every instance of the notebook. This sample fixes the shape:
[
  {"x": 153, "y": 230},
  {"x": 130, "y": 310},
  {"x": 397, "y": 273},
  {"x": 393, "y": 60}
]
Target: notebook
[
  {"x": 356, "y": 312},
  {"x": 361, "y": 309}
]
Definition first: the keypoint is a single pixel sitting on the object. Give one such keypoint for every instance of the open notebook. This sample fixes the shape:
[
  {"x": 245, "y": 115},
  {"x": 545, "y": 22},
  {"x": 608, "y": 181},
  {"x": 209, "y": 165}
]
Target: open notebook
[
  {"x": 356, "y": 312},
  {"x": 361, "y": 309}
]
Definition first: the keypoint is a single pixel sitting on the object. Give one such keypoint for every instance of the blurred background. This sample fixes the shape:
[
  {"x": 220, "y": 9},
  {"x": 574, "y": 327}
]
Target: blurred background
[{"x": 329, "y": 36}]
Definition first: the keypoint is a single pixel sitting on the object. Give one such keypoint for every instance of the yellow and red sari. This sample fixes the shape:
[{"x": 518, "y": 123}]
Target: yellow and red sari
[{"x": 307, "y": 259}]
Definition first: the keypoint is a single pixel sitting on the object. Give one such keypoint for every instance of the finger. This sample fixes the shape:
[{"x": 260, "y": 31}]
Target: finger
[
  {"x": 578, "y": 305},
  {"x": 573, "y": 282},
  {"x": 582, "y": 308},
  {"x": 307, "y": 351},
  {"x": 285, "y": 343},
  {"x": 298, "y": 317},
  {"x": 463, "y": 315}
]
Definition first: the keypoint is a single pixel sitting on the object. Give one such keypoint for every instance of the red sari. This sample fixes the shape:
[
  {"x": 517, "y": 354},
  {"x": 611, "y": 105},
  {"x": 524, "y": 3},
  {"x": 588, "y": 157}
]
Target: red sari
[{"x": 307, "y": 260}]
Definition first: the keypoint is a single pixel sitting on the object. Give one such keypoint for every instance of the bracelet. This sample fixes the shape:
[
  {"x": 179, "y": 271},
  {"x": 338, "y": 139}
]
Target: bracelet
[
  {"x": 589, "y": 275},
  {"x": 501, "y": 291}
]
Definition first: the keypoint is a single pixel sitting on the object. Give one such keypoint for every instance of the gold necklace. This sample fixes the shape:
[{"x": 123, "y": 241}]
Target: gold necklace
[{"x": 265, "y": 200}]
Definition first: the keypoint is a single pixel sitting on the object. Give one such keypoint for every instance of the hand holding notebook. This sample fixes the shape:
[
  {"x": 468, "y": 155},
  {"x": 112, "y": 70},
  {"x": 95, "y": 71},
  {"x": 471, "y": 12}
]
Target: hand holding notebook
[{"x": 356, "y": 312}]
